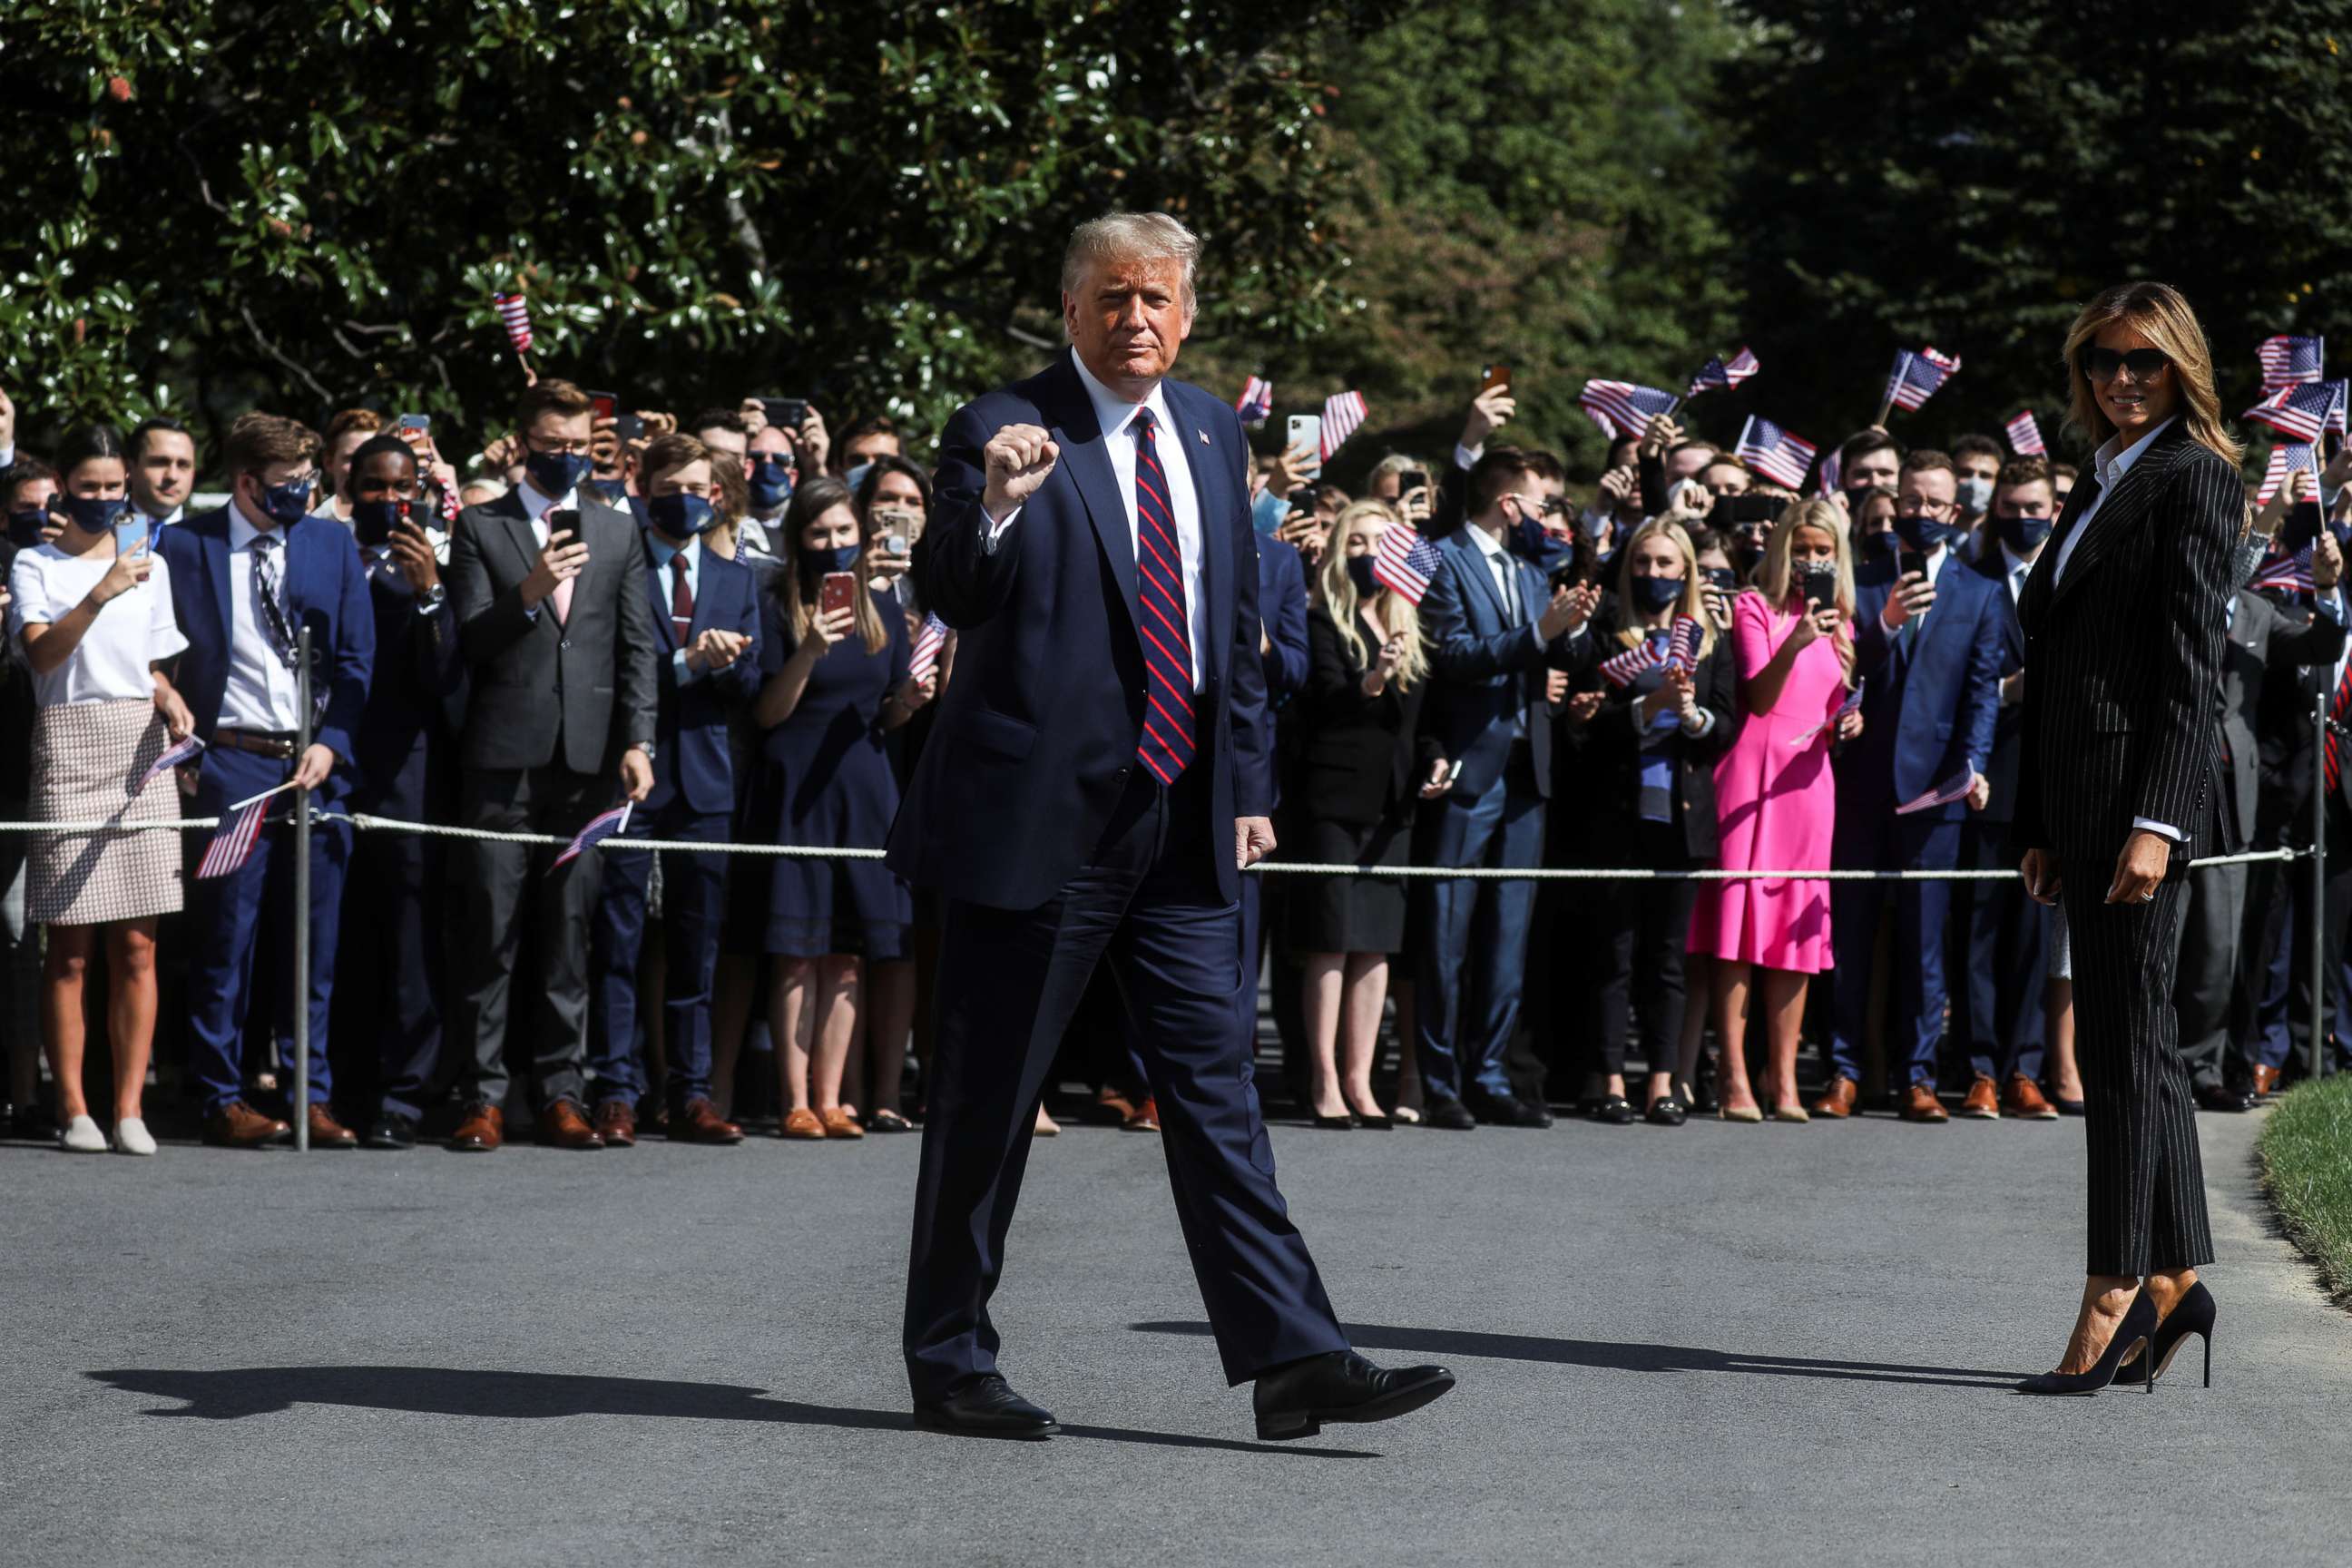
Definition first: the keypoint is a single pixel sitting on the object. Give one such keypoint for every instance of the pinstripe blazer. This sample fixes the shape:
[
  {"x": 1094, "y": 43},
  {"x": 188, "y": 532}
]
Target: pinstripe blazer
[{"x": 2123, "y": 658}]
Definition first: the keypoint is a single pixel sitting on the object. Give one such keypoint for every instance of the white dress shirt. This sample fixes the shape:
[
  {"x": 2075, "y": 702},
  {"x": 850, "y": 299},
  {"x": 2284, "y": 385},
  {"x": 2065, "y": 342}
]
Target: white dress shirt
[
  {"x": 536, "y": 507},
  {"x": 260, "y": 694},
  {"x": 2020, "y": 568},
  {"x": 1115, "y": 416}
]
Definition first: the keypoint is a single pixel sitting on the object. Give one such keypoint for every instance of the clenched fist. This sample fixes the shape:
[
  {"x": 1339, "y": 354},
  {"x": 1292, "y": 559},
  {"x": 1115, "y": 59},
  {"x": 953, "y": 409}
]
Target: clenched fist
[{"x": 1019, "y": 457}]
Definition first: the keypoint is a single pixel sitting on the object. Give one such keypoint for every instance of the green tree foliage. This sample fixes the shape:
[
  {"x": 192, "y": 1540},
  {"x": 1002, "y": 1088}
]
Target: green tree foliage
[
  {"x": 1969, "y": 176},
  {"x": 310, "y": 204}
]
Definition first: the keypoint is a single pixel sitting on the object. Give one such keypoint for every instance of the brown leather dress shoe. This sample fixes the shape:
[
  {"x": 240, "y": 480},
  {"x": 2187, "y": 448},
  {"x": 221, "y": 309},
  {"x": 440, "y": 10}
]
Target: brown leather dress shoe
[
  {"x": 839, "y": 1123},
  {"x": 1983, "y": 1104},
  {"x": 2266, "y": 1082},
  {"x": 563, "y": 1125},
  {"x": 2026, "y": 1101},
  {"x": 616, "y": 1124},
  {"x": 1112, "y": 1106},
  {"x": 481, "y": 1132},
  {"x": 699, "y": 1123},
  {"x": 238, "y": 1125},
  {"x": 326, "y": 1132},
  {"x": 801, "y": 1123},
  {"x": 1837, "y": 1101},
  {"x": 1920, "y": 1104}
]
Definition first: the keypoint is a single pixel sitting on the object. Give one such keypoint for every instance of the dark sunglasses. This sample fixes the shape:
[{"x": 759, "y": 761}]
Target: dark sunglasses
[{"x": 2101, "y": 365}]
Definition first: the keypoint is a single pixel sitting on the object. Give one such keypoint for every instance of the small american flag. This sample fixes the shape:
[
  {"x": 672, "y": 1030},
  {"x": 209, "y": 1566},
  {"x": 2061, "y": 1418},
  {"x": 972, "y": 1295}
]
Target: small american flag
[
  {"x": 1256, "y": 402},
  {"x": 516, "y": 314},
  {"x": 2289, "y": 571},
  {"x": 2336, "y": 408},
  {"x": 1780, "y": 456},
  {"x": 1621, "y": 405},
  {"x": 233, "y": 841},
  {"x": 1916, "y": 377},
  {"x": 1623, "y": 670},
  {"x": 2300, "y": 411},
  {"x": 1954, "y": 788},
  {"x": 1403, "y": 561},
  {"x": 1343, "y": 412},
  {"x": 2285, "y": 459},
  {"x": 599, "y": 828},
  {"x": 1853, "y": 704},
  {"x": 2025, "y": 435},
  {"x": 924, "y": 662},
  {"x": 173, "y": 755},
  {"x": 1682, "y": 648},
  {"x": 1833, "y": 469},
  {"x": 2287, "y": 360},
  {"x": 1723, "y": 372}
]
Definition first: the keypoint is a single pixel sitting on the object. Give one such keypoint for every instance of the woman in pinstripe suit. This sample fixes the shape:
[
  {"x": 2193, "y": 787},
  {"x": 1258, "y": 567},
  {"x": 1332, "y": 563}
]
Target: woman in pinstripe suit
[{"x": 2123, "y": 626}]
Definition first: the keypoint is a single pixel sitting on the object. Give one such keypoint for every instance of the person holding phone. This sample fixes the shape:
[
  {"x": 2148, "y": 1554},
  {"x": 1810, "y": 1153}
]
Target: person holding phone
[
  {"x": 834, "y": 657},
  {"x": 94, "y": 625}
]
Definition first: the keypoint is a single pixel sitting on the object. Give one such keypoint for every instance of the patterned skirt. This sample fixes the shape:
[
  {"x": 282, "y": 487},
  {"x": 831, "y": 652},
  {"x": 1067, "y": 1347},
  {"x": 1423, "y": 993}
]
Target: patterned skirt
[{"x": 86, "y": 756}]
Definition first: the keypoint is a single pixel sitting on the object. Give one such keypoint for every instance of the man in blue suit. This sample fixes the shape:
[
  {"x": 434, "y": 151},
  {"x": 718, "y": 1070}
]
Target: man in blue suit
[
  {"x": 1282, "y": 648},
  {"x": 1494, "y": 628},
  {"x": 245, "y": 580},
  {"x": 706, "y": 620},
  {"x": 1929, "y": 644},
  {"x": 1093, "y": 787}
]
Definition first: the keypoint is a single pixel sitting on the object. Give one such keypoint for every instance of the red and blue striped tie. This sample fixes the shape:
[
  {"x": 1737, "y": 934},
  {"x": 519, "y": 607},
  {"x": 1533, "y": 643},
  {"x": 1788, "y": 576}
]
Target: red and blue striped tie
[{"x": 1167, "y": 743}]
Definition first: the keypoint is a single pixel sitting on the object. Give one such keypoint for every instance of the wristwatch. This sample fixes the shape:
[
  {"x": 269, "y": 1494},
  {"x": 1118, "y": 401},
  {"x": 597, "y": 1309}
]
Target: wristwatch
[
  {"x": 648, "y": 748},
  {"x": 431, "y": 599}
]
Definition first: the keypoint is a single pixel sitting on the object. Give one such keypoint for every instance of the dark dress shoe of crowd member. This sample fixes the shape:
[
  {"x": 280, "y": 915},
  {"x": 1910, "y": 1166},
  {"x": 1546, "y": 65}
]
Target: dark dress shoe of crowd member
[
  {"x": 238, "y": 1125},
  {"x": 479, "y": 1132},
  {"x": 36, "y": 1122},
  {"x": 987, "y": 1407},
  {"x": 1837, "y": 1100},
  {"x": 1666, "y": 1110},
  {"x": 1294, "y": 1401},
  {"x": 616, "y": 1124},
  {"x": 1448, "y": 1115},
  {"x": 1505, "y": 1109},
  {"x": 1983, "y": 1101},
  {"x": 1612, "y": 1110},
  {"x": 326, "y": 1132},
  {"x": 563, "y": 1125},
  {"x": 1144, "y": 1118},
  {"x": 1918, "y": 1103},
  {"x": 699, "y": 1121},
  {"x": 391, "y": 1130},
  {"x": 2025, "y": 1101},
  {"x": 1343, "y": 1122},
  {"x": 2266, "y": 1081},
  {"x": 2224, "y": 1097}
]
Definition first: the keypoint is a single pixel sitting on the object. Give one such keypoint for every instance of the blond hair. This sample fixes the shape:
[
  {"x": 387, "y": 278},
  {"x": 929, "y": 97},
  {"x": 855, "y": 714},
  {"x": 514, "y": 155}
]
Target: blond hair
[
  {"x": 1631, "y": 634},
  {"x": 1336, "y": 592},
  {"x": 1776, "y": 580},
  {"x": 2159, "y": 313},
  {"x": 1130, "y": 237}
]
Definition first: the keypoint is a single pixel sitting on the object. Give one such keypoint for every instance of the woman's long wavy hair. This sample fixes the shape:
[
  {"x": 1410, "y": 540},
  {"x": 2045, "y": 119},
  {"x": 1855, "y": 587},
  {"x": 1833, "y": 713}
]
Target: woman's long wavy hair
[
  {"x": 1337, "y": 591},
  {"x": 2159, "y": 313},
  {"x": 798, "y": 584},
  {"x": 1777, "y": 582}
]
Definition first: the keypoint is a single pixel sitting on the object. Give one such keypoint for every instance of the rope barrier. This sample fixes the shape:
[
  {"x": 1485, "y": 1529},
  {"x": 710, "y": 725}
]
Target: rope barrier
[{"x": 367, "y": 823}]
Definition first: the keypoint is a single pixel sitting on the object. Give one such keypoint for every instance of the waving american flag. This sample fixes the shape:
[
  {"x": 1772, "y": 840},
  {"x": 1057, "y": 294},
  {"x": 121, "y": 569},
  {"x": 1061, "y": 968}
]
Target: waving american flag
[
  {"x": 923, "y": 661},
  {"x": 2286, "y": 458},
  {"x": 1343, "y": 413},
  {"x": 2287, "y": 360},
  {"x": 1256, "y": 402},
  {"x": 1723, "y": 372},
  {"x": 2025, "y": 435},
  {"x": 600, "y": 827},
  {"x": 1780, "y": 456},
  {"x": 1402, "y": 561},
  {"x": 2301, "y": 411},
  {"x": 1917, "y": 377},
  {"x": 1954, "y": 788},
  {"x": 516, "y": 315},
  {"x": 1621, "y": 405}
]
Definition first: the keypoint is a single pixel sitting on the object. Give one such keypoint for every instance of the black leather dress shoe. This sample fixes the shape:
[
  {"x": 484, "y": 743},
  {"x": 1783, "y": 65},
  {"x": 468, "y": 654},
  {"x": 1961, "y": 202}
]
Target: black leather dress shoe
[
  {"x": 1614, "y": 1109},
  {"x": 1450, "y": 1115},
  {"x": 1340, "y": 1385},
  {"x": 2224, "y": 1097},
  {"x": 987, "y": 1407},
  {"x": 391, "y": 1130},
  {"x": 1508, "y": 1110}
]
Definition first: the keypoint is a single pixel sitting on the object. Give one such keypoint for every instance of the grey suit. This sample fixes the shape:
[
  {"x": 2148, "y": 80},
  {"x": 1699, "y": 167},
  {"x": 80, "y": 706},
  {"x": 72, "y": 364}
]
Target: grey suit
[{"x": 554, "y": 703}]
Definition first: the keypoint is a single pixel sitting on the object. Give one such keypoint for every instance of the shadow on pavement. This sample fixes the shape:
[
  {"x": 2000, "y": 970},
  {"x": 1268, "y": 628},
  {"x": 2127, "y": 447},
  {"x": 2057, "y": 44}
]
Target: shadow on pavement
[
  {"x": 1613, "y": 1355},
  {"x": 233, "y": 1394}
]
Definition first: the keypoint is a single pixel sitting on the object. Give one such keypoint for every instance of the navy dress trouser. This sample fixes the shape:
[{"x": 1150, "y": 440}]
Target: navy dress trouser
[
  {"x": 1008, "y": 983},
  {"x": 694, "y": 902}
]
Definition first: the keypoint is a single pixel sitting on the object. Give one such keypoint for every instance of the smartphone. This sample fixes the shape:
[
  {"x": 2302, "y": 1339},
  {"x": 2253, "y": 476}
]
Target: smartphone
[
  {"x": 130, "y": 538},
  {"x": 1306, "y": 430},
  {"x": 785, "y": 414},
  {"x": 628, "y": 427},
  {"x": 420, "y": 423},
  {"x": 1495, "y": 375},
  {"x": 1820, "y": 590},
  {"x": 1912, "y": 561},
  {"x": 1724, "y": 579},
  {"x": 1454, "y": 773},
  {"x": 2301, "y": 527},
  {"x": 606, "y": 404},
  {"x": 837, "y": 592},
  {"x": 1413, "y": 479},
  {"x": 894, "y": 545}
]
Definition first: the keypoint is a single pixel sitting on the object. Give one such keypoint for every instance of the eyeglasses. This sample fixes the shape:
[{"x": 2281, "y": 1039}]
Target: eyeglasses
[{"x": 2101, "y": 365}]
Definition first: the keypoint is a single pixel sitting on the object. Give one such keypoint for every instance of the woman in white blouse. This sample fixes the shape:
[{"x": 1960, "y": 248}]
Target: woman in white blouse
[{"x": 92, "y": 613}]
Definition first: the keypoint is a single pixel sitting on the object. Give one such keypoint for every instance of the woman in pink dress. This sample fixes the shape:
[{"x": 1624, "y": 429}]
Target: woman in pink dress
[{"x": 1776, "y": 799}]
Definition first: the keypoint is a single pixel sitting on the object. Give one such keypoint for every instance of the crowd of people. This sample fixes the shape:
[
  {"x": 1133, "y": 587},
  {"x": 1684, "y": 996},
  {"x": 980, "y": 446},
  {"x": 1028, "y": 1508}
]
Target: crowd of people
[{"x": 721, "y": 621}]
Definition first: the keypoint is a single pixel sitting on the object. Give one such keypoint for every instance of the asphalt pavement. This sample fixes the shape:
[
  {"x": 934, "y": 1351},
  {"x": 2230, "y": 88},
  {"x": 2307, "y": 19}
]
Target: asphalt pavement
[{"x": 1720, "y": 1345}]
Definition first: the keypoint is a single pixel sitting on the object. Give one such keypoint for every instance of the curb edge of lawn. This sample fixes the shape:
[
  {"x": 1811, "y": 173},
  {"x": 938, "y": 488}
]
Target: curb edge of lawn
[{"x": 2289, "y": 1166}]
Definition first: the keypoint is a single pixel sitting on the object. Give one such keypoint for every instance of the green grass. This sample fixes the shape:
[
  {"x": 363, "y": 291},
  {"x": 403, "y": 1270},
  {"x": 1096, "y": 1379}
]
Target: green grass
[{"x": 2306, "y": 1153}]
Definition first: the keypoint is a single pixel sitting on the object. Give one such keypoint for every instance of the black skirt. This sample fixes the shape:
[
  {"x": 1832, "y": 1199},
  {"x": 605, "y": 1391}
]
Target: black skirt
[{"x": 1349, "y": 914}]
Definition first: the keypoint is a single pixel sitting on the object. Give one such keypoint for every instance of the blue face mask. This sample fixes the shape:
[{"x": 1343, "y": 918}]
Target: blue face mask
[
  {"x": 556, "y": 474},
  {"x": 92, "y": 515},
  {"x": 1360, "y": 572},
  {"x": 681, "y": 516},
  {"x": 2023, "y": 533},
  {"x": 25, "y": 527},
  {"x": 1925, "y": 533},
  {"x": 288, "y": 504},
  {"x": 613, "y": 491},
  {"x": 840, "y": 558},
  {"x": 1656, "y": 592},
  {"x": 772, "y": 483}
]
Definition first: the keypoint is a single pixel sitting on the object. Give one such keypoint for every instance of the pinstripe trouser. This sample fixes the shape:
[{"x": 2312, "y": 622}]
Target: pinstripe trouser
[{"x": 2146, "y": 1183}]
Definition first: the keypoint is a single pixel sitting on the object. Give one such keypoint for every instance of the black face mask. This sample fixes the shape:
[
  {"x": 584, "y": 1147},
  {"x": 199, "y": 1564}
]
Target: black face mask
[
  {"x": 840, "y": 558},
  {"x": 2023, "y": 533},
  {"x": 372, "y": 521},
  {"x": 25, "y": 526}
]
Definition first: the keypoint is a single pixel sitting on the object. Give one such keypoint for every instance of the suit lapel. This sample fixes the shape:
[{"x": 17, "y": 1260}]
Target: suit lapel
[
  {"x": 1081, "y": 442},
  {"x": 657, "y": 580},
  {"x": 2120, "y": 512},
  {"x": 1470, "y": 562},
  {"x": 216, "y": 576}
]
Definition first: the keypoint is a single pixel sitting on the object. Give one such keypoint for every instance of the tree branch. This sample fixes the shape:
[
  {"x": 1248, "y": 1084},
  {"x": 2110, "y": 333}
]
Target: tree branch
[{"x": 275, "y": 353}]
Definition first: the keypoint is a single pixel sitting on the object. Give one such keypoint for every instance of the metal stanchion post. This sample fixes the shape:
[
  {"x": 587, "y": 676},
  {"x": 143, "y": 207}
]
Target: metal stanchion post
[
  {"x": 2318, "y": 877},
  {"x": 301, "y": 1108}
]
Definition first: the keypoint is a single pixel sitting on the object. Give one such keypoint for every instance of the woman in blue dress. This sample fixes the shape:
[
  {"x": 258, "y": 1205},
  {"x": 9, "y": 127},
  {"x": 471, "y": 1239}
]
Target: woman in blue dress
[{"x": 835, "y": 685}]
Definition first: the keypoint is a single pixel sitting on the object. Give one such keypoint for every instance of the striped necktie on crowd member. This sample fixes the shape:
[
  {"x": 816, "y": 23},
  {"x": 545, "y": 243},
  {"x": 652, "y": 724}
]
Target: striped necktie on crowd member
[
  {"x": 2336, "y": 708},
  {"x": 1162, "y": 620}
]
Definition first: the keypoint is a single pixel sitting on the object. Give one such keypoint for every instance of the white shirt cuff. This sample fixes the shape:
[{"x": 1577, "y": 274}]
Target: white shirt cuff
[
  {"x": 997, "y": 529},
  {"x": 1699, "y": 723},
  {"x": 1466, "y": 458},
  {"x": 687, "y": 674},
  {"x": 2142, "y": 824}
]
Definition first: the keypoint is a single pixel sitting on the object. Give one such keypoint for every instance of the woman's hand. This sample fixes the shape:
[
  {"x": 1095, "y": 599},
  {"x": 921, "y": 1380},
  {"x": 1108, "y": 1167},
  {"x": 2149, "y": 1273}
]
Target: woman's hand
[
  {"x": 127, "y": 573},
  {"x": 1673, "y": 695},
  {"x": 1440, "y": 780},
  {"x": 2040, "y": 870},
  {"x": 1849, "y": 727},
  {"x": 1816, "y": 624},
  {"x": 1583, "y": 705},
  {"x": 831, "y": 627},
  {"x": 173, "y": 708},
  {"x": 914, "y": 694},
  {"x": 2140, "y": 868}
]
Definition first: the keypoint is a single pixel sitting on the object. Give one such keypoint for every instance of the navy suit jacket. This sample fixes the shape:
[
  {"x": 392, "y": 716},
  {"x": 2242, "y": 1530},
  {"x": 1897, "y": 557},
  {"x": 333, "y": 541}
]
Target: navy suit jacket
[
  {"x": 690, "y": 758},
  {"x": 416, "y": 697},
  {"x": 1037, "y": 734},
  {"x": 1932, "y": 699},
  {"x": 2001, "y": 768},
  {"x": 1488, "y": 670},
  {"x": 1282, "y": 605},
  {"x": 326, "y": 589}
]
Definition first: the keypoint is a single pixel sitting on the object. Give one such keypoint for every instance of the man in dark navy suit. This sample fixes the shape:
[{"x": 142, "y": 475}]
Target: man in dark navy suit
[
  {"x": 1091, "y": 791},
  {"x": 706, "y": 629},
  {"x": 390, "y": 992},
  {"x": 1927, "y": 646},
  {"x": 245, "y": 580}
]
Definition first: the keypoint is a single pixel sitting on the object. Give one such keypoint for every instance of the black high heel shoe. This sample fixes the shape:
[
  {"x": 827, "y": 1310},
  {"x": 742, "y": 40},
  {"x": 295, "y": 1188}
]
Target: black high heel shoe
[
  {"x": 2137, "y": 1326},
  {"x": 2193, "y": 1314},
  {"x": 1339, "y": 1123}
]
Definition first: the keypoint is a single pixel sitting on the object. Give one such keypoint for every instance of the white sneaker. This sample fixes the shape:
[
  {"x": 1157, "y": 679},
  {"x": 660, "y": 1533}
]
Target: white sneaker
[
  {"x": 131, "y": 1137},
  {"x": 81, "y": 1136}
]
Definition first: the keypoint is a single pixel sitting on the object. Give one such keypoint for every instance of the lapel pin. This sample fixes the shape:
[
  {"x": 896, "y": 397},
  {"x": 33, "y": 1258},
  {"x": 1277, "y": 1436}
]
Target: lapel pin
[{"x": 1204, "y": 437}]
